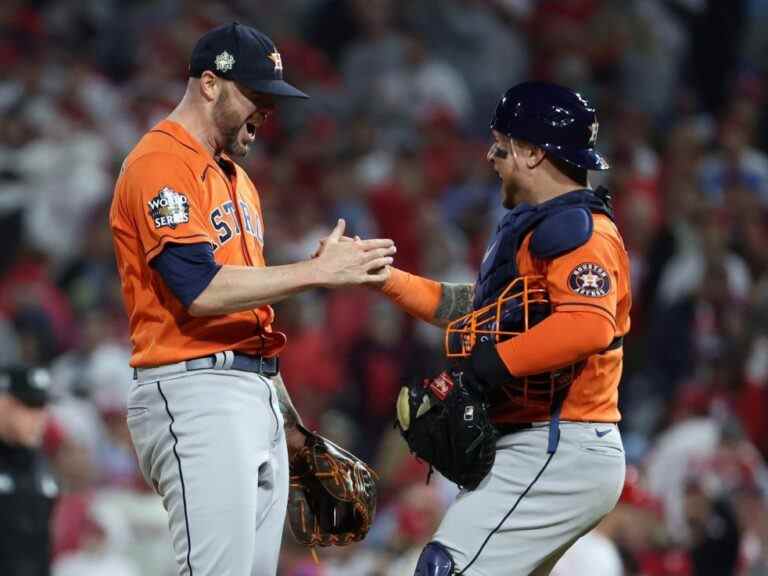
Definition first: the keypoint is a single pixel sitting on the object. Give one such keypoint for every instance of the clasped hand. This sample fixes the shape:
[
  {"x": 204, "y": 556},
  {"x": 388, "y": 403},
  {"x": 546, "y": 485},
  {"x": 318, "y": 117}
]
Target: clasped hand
[{"x": 342, "y": 260}]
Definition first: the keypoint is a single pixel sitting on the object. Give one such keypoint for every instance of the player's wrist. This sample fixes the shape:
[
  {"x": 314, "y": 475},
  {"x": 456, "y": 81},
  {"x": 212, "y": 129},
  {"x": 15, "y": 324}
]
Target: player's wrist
[
  {"x": 395, "y": 285},
  {"x": 315, "y": 274},
  {"x": 487, "y": 367}
]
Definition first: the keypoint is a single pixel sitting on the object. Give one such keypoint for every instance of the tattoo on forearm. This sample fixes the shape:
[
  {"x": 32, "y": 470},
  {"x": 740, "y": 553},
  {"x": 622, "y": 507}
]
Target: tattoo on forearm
[
  {"x": 456, "y": 300},
  {"x": 290, "y": 415}
]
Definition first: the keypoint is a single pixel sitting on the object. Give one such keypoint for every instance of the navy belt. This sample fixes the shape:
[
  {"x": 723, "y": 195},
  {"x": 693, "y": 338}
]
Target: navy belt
[
  {"x": 615, "y": 344},
  {"x": 510, "y": 428},
  {"x": 265, "y": 365}
]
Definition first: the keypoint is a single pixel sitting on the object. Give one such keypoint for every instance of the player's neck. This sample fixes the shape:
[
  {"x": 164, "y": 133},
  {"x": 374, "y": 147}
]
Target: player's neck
[
  {"x": 549, "y": 188},
  {"x": 193, "y": 119}
]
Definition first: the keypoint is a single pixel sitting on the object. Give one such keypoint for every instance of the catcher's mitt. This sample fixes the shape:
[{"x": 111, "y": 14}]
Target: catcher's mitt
[
  {"x": 445, "y": 423},
  {"x": 332, "y": 494}
]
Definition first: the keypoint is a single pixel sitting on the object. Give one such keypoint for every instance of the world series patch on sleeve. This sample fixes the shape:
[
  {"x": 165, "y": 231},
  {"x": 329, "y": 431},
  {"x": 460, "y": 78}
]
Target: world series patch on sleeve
[{"x": 169, "y": 208}]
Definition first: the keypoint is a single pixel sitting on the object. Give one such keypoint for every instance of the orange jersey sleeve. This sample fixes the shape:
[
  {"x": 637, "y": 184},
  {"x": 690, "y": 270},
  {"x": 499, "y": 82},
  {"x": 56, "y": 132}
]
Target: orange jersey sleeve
[
  {"x": 558, "y": 341},
  {"x": 162, "y": 200},
  {"x": 418, "y": 296}
]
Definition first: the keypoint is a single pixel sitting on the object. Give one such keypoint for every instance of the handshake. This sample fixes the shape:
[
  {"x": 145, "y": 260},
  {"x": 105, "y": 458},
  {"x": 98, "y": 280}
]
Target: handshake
[{"x": 340, "y": 260}]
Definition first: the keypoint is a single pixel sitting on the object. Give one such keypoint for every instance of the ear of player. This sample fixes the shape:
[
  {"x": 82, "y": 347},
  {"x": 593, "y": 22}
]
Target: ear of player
[{"x": 332, "y": 494}]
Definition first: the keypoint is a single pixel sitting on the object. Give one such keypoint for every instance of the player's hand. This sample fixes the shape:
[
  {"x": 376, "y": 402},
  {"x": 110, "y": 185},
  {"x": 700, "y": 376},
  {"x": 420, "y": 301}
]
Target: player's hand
[
  {"x": 321, "y": 244},
  {"x": 295, "y": 439},
  {"x": 342, "y": 261}
]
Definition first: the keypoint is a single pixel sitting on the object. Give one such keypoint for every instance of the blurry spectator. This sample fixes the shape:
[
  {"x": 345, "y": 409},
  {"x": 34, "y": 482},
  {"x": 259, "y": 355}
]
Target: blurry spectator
[
  {"x": 490, "y": 54},
  {"x": 700, "y": 305},
  {"x": 377, "y": 51},
  {"x": 40, "y": 312},
  {"x": 714, "y": 531},
  {"x": 694, "y": 437},
  {"x": 712, "y": 65},
  {"x": 89, "y": 279},
  {"x": 101, "y": 535},
  {"x": 395, "y": 206},
  {"x": 630, "y": 530},
  {"x": 736, "y": 162},
  {"x": 27, "y": 487},
  {"x": 378, "y": 362},
  {"x": 417, "y": 511},
  {"x": 420, "y": 85},
  {"x": 332, "y": 25},
  {"x": 312, "y": 389}
]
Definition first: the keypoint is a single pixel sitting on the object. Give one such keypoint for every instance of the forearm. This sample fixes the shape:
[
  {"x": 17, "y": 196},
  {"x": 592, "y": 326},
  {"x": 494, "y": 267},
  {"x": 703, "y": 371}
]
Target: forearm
[
  {"x": 433, "y": 302},
  {"x": 455, "y": 302},
  {"x": 291, "y": 418},
  {"x": 237, "y": 288}
]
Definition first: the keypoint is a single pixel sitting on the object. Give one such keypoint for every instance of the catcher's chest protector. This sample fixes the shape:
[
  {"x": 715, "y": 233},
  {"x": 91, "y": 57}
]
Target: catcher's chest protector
[{"x": 558, "y": 230}]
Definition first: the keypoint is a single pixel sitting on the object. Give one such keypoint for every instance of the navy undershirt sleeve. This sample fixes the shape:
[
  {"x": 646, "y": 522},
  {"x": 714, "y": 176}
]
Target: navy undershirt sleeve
[{"x": 187, "y": 269}]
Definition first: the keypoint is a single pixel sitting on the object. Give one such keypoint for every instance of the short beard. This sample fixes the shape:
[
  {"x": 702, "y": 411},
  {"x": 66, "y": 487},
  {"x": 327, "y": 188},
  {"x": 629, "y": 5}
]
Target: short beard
[
  {"x": 508, "y": 196},
  {"x": 228, "y": 125}
]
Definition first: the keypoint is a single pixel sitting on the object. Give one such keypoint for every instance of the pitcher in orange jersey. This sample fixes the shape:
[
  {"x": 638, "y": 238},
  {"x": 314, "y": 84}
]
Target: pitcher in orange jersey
[
  {"x": 559, "y": 467},
  {"x": 208, "y": 413}
]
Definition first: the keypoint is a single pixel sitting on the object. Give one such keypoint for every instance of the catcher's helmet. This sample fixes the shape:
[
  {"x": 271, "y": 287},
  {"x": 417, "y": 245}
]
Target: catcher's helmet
[{"x": 554, "y": 118}]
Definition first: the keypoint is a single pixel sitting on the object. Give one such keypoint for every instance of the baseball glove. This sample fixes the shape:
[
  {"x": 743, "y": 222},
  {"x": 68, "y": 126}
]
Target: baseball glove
[
  {"x": 332, "y": 494},
  {"x": 445, "y": 423}
]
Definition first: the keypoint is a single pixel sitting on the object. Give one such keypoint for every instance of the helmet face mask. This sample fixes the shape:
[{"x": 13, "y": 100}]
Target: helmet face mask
[
  {"x": 554, "y": 118},
  {"x": 520, "y": 306}
]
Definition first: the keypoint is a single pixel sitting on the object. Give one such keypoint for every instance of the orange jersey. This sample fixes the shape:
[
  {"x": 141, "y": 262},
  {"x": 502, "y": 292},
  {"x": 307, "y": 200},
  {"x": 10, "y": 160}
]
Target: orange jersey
[
  {"x": 170, "y": 189},
  {"x": 591, "y": 280}
]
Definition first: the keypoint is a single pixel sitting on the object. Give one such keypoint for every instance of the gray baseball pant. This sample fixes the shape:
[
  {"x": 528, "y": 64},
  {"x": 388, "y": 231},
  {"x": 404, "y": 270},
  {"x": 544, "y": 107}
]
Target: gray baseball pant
[
  {"x": 212, "y": 444},
  {"x": 533, "y": 506}
]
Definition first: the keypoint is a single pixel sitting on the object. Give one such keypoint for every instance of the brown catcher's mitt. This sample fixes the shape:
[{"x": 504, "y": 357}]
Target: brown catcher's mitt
[{"x": 332, "y": 494}]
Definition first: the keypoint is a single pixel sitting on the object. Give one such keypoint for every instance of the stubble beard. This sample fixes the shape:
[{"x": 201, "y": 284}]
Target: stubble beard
[
  {"x": 229, "y": 125},
  {"x": 508, "y": 194}
]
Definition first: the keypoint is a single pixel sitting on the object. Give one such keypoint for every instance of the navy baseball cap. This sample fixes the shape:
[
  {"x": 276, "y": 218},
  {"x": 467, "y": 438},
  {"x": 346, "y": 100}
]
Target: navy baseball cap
[
  {"x": 30, "y": 386},
  {"x": 244, "y": 55}
]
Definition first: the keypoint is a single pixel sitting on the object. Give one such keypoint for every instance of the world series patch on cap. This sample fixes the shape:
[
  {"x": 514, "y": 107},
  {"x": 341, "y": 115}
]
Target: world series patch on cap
[{"x": 244, "y": 55}]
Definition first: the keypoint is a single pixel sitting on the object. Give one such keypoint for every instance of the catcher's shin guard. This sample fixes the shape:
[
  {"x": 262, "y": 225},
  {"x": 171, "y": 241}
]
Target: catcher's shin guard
[{"x": 434, "y": 560}]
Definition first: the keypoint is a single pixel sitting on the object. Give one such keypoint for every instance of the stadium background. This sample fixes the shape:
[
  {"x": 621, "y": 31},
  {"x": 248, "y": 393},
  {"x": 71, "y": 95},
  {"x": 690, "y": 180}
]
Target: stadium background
[{"x": 394, "y": 140}]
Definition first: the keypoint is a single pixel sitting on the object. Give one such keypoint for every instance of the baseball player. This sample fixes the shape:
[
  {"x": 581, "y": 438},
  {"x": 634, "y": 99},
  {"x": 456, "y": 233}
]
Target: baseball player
[
  {"x": 208, "y": 413},
  {"x": 558, "y": 468}
]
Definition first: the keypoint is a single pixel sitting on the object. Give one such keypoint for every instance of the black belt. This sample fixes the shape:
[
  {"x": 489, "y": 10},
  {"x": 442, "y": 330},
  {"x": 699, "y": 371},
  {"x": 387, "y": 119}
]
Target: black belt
[
  {"x": 264, "y": 365},
  {"x": 510, "y": 428},
  {"x": 616, "y": 343}
]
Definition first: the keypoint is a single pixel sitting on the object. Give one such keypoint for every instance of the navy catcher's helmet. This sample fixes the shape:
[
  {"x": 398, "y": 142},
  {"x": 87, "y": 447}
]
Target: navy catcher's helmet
[{"x": 554, "y": 118}]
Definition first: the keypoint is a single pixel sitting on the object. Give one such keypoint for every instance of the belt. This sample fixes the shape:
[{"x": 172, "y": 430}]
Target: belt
[
  {"x": 615, "y": 344},
  {"x": 229, "y": 360},
  {"x": 509, "y": 428}
]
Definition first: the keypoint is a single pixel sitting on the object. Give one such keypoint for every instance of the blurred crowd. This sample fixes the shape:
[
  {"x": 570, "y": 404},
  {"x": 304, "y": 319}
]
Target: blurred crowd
[{"x": 394, "y": 140}]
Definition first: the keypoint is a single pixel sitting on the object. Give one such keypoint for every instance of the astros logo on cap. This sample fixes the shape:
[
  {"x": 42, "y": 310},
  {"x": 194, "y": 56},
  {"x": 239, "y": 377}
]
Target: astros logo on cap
[{"x": 275, "y": 57}]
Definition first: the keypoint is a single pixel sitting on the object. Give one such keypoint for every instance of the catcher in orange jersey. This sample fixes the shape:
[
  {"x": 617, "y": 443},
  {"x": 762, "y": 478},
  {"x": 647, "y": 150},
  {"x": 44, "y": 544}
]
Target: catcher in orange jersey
[
  {"x": 208, "y": 414},
  {"x": 538, "y": 339}
]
